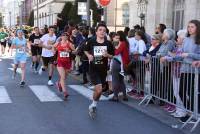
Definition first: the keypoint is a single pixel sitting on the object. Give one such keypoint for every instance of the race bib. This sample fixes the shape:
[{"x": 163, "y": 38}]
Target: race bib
[
  {"x": 36, "y": 41},
  {"x": 99, "y": 50},
  {"x": 21, "y": 50},
  {"x": 64, "y": 54}
]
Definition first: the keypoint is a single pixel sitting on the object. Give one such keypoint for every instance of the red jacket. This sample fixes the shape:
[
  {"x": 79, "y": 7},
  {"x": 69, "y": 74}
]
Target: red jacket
[{"x": 124, "y": 51}]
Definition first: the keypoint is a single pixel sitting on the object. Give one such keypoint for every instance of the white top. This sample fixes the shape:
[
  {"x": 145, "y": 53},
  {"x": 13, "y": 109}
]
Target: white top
[
  {"x": 45, "y": 39},
  {"x": 132, "y": 45},
  {"x": 141, "y": 46}
]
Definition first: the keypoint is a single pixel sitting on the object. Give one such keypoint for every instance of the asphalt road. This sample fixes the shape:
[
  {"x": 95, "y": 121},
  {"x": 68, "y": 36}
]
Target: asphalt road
[{"x": 27, "y": 113}]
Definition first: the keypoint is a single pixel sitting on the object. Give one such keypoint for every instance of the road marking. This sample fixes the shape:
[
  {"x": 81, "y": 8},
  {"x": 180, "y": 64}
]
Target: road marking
[
  {"x": 86, "y": 92},
  {"x": 4, "y": 97},
  {"x": 44, "y": 94}
]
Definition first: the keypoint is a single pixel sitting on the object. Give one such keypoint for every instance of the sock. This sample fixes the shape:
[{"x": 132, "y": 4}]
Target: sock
[
  {"x": 94, "y": 103},
  {"x": 36, "y": 65},
  {"x": 50, "y": 77}
]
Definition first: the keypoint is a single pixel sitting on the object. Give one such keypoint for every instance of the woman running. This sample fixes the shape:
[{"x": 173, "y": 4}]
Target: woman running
[
  {"x": 64, "y": 48},
  {"x": 20, "y": 57}
]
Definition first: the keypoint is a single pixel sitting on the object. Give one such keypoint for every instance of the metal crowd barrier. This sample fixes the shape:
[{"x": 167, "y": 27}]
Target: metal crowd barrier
[{"x": 175, "y": 83}]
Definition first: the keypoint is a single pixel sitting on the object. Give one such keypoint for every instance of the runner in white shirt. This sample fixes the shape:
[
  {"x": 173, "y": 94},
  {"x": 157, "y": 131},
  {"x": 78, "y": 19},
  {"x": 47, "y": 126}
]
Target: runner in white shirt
[{"x": 47, "y": 41}]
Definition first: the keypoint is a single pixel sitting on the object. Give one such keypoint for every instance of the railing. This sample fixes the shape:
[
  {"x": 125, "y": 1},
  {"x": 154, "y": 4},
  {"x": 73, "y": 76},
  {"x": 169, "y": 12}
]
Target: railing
[{"x": 175, "y": 83}]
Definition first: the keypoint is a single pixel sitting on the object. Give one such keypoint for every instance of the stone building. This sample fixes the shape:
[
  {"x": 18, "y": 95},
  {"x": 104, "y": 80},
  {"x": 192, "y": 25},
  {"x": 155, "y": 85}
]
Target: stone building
[
  {"x": 117, "y": 14},
  {"x": 174, "y": 13},
  {"x": 47, "y": 11}
]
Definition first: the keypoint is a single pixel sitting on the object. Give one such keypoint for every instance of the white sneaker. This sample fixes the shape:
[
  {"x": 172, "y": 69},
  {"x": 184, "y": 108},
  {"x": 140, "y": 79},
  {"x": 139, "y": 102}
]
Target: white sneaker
[
  {"x": 122, "y": 73},
  {"x": 35, "y": 71},
  {"x": 40, "y": 71},
  {"x": 50, "y": 83},
  {"x": 92, "y": 111}
]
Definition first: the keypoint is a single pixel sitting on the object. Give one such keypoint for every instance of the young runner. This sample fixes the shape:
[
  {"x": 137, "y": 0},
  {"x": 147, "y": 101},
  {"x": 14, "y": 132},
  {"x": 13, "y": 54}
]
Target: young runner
[
  {"x": 20, "y": 57},
  {"x": 63, "y": 48},
  {"x": 34, "y": 41},
  {"x": 98, "y": 50},
  {"x": 46, "y": 42}
]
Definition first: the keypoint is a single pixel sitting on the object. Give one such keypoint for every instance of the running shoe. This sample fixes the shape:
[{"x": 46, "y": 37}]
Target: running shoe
[
  {"x": 35, "y": 71},
  {"x": 40, "y": 71},
  {"x": 92, "y": 112},
  {"x": 122, "y": 74},
  {"x": 66, "y": 95},
  {"x": 22, "y": 84},
  {"x": 50, "y": 83}
]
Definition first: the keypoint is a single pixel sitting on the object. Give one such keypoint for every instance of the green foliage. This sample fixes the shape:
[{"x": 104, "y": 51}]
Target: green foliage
[
  {"x": 66, "y": 9},
  {"x": 70, "y": 11},
  {"x": 73, "y": 13},
  {"x": 96, "y": 15}
]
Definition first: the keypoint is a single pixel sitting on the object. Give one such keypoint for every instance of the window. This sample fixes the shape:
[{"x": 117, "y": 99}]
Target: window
[
  {"x": 178, "y": 14},
  {"x": 125, "y": 14}
]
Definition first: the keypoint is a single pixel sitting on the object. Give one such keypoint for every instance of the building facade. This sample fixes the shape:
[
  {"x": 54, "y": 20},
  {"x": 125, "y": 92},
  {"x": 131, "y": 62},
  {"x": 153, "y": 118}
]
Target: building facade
[
  {"x": 47, "y": 11},
  {"x": 11, "y": 12},
  {"x": 117, "y": 14},
  {"x": 26, "y": 11},
  {"x": 174, "y": 13}
]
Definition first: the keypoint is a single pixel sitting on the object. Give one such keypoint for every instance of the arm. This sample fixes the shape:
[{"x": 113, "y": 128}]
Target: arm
[
  {"x": 194, "y": 56},
  {"x": 120, "y": 48}
]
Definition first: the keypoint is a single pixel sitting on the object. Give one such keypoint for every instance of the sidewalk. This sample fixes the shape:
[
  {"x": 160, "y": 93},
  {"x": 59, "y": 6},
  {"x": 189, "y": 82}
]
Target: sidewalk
[{"x": 153, "y": 111}]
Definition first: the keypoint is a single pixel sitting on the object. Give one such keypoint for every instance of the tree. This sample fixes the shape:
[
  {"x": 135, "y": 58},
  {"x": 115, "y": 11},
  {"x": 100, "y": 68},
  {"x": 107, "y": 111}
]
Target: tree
[
  {"x": 70, "y": 12},
  {"x": 96, "y": 15},
  {"x": 65, "y": 11},
  {"x": 73, "y": 13},
  {"x": 31, "y": 19}
]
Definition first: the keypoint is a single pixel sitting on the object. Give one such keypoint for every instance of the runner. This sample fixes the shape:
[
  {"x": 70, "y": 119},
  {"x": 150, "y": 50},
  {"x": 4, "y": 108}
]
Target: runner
[
  {"x": 64, "y": 47},
  {"x": 48, "y": 58},
  {"x": 3, "y": 36},
  {"x": 10, "y": 40},
  {"x": 20, "y": 57},
  {"x": 98, "y": 50},
  {"x": 36, "y": 51}
]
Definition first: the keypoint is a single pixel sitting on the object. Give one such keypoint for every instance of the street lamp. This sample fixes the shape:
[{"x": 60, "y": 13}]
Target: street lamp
[
  {"x": 142, "y": 10},
  {"x": 10, "y": 18}
]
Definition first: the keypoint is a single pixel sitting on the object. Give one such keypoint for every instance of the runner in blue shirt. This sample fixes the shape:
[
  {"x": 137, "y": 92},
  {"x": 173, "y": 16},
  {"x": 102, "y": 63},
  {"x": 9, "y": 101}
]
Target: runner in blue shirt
[{"x": 20, "y": 44}]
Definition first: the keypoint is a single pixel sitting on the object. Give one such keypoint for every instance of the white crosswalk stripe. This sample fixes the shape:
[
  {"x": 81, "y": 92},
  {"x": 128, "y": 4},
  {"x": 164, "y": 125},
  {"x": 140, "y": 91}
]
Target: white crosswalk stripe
[
  {"x": 4, "y": 97},
  {"x": 88, "y": 93},
  {"x": 44, "y": 94}
]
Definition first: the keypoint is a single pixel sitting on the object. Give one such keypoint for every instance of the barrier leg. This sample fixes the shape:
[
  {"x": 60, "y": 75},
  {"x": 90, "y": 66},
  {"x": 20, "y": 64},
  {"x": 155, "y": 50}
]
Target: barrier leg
[
  {"x": 147, "y": 97},
  {"x": 187, "y": 122},
  {"x": 195, "y": 125}
]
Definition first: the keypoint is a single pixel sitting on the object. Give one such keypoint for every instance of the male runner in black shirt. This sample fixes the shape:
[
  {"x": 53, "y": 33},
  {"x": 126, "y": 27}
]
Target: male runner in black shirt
[
  {"x": 36, "y": 51},
  {"x": 98, "y": 50}
]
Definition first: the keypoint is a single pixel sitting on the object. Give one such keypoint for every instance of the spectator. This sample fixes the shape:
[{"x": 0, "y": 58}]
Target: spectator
[
  {"x": 156, "y": 40},
  {"x": 141, "y": 42},
  {"x": 117, "y": 79},
  {"x": 160, "y": 28},
  {"x": 191, "y": 52}
]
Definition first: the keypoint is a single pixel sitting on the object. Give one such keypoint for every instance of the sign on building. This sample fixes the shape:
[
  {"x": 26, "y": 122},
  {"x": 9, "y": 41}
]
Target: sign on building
[{"x": 82, "y": 8}]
